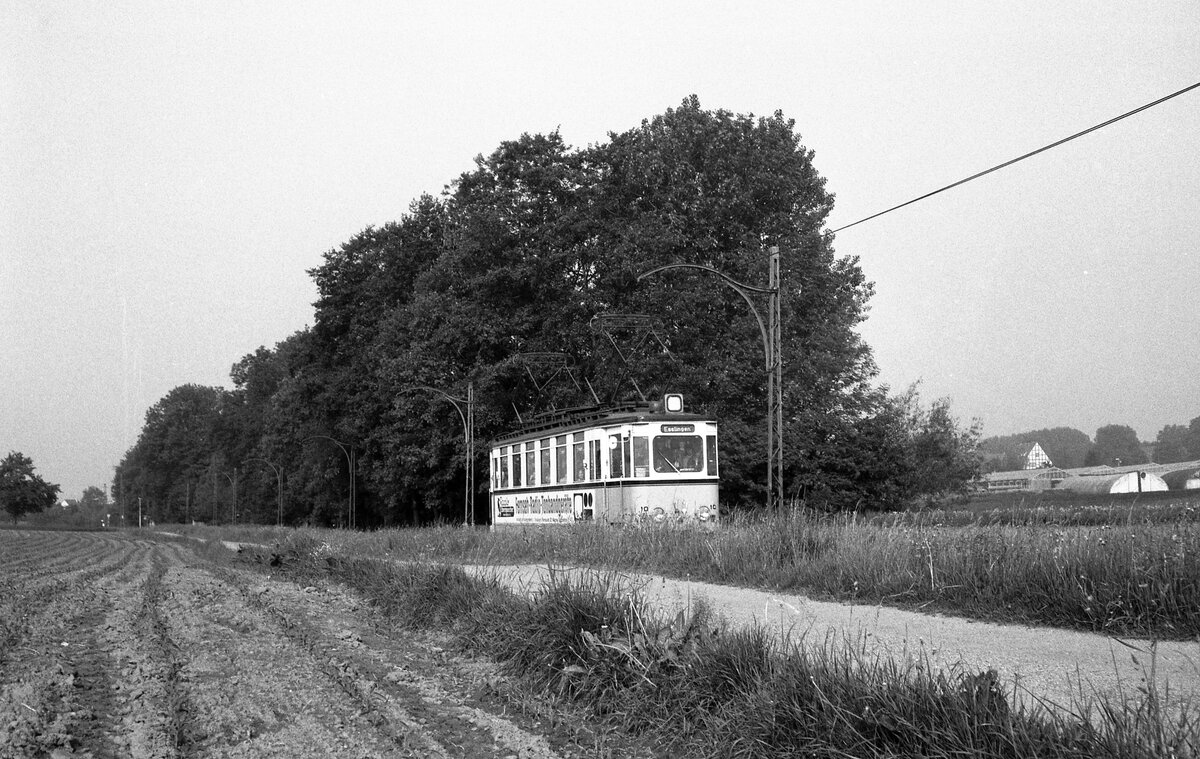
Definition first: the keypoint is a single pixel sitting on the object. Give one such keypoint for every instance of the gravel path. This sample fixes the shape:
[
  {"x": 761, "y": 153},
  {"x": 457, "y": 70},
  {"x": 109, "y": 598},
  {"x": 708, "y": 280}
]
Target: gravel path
[{"x": 1047, "y": 663}]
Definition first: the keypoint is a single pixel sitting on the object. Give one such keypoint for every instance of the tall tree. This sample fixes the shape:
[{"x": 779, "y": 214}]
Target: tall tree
[
  {"x": 22, "y": 490},
  {"x": 94, "y": 499},
  {"x": 717, "y": 189},
  {"x": 1172, "y": 445},
  {"x": 174, "y": 451},
  {"x": 944, "y": 457},
  {"x": 1193, "y": 438},
  {"x": 1116, "y": 445},
  {"x": 359, "y": 343}
]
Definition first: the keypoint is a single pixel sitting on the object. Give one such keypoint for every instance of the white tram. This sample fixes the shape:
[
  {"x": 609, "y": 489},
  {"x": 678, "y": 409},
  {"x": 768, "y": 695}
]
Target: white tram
[{"x": 626, "y": 464}]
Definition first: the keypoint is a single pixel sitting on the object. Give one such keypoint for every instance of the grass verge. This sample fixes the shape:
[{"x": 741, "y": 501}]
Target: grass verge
[
  {"x": 688, "y": 686},
  {"x": 1122, "y": 576}
]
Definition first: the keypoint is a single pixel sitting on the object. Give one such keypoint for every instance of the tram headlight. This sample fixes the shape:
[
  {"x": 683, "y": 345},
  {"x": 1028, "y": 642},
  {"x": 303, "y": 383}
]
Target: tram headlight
[
  {"x": 658, "y": 515},
  {"x": 704, "y": 514}
]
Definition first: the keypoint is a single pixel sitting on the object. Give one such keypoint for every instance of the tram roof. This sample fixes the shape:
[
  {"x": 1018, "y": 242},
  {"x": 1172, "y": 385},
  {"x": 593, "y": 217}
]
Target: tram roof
[{"x": 585, "y": 417}]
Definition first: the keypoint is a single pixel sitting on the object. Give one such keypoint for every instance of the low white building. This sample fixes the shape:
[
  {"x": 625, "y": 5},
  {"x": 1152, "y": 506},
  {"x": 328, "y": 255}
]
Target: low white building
[
  {"x": 1121, "y": 482},
  {"x": 1045, "y": 478},
  {"x": 1183, "y": 476}
]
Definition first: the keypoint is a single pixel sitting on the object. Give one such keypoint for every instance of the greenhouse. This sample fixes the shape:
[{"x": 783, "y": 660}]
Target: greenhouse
[{"x": 1122, "y": 482}]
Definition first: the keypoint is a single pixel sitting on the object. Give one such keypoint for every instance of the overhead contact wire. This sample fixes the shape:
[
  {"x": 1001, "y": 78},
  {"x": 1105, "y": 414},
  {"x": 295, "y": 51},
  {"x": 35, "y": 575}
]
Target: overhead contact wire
[{"x": 1027, "y": 155}]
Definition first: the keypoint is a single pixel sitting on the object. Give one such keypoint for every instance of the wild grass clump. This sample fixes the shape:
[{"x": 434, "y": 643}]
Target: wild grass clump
[
  {"x": 1129, "y": 578},
  {"x": 1124, "y": 577},
  {"x": 689, "y": 686}
]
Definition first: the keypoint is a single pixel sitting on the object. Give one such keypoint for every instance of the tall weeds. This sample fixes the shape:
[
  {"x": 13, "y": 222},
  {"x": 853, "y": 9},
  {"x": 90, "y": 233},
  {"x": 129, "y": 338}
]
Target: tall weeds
[
  {"x": 688, "y": 686},
  {"x": 1127, "y": 577}
]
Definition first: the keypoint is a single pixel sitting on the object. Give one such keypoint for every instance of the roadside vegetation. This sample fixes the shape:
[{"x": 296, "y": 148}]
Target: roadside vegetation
[
  {"x": 685, "y": 686},
  {"x": 1121, "y": 568}
]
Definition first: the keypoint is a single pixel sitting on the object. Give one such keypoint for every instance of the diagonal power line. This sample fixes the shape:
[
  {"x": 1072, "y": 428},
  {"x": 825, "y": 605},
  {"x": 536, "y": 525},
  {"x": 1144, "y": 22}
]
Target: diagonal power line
[{"x": 1027, "y": 155}]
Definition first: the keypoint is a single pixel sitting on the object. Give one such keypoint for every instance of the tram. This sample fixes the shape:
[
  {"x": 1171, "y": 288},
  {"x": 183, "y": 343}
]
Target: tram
[{"x": 635, "y": 463}]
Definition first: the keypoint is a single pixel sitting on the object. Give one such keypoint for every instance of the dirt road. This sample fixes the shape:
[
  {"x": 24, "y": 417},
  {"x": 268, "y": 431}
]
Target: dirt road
[
  {"x": 1044, "y": 662},
  {"x": 112, "y": 646}
]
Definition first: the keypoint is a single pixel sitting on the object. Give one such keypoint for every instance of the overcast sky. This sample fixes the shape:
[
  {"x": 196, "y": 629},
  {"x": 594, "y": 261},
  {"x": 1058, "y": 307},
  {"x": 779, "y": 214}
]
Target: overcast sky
[{"x": 169, "y": 171}]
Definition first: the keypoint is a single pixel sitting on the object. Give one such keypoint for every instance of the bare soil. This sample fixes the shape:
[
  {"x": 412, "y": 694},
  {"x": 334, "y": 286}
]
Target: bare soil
[{"x": 113, "y": 645}]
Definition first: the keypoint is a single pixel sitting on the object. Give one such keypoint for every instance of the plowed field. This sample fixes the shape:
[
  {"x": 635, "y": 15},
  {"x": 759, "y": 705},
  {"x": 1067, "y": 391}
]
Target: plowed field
[{"x": 118, "y": 646}]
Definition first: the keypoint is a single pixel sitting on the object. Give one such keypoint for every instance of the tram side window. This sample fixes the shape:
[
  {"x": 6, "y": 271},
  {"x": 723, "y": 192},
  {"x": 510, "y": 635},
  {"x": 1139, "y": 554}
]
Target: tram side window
[
  {"x": 530, "y": 463},
  {"x": 594, "y": 454},
  {"x": 678, "y": 453},
  {"x": 503, "y": 460},
  {"x": 641, "y": 456},
  {"x": 544, "y": 460},
  {"x": 516, "y": 466},
  {"x": 560, "y": 458},
  {"x": 614, "y": 457},
  {"x": 711, "y": 447},
  {"x": 577, "y": 458}
]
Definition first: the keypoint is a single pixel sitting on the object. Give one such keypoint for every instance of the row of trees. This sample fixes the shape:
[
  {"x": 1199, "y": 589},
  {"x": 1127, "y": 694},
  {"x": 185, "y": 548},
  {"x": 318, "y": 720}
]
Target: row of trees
[
  {"x": 1114, "y": 444},
  {"x": 516, "y": 258}
]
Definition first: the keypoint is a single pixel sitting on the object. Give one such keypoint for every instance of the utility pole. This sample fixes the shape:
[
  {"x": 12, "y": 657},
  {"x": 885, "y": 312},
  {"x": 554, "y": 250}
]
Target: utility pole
[
  {"x": 773, "y": 355},
  {"x": 279, "y": 489},
  {"x": 233, "y": 506},
  {"x": 468, "y": 421},
  {"x": 348, "y": 450},
  {"x": 774, "y": 322}
]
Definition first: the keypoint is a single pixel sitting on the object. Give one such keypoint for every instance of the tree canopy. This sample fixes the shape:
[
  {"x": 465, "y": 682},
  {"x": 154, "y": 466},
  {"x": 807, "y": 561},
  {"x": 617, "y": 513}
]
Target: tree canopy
[
  {"x": 22, "y": 491},
  {"x": 1116, "y": 445},
  {"x": 519, "y": 256},
  {"x": 1176, "y": 442}
]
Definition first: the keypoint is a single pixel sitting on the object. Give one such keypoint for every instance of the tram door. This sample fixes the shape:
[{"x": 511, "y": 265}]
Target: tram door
[{"x": 618, "y": 470}]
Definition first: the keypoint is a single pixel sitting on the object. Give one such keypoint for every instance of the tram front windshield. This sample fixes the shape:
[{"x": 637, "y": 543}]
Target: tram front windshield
[{"x": 678, "y": 453}]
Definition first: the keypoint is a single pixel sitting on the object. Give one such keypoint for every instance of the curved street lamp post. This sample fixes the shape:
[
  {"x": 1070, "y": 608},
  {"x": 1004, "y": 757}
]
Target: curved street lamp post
[
  {"x": 278, "y": 485},
  {"x": 233, "y": 482},
  {"x": 772, "y": 352},
  {"x": 468, "y": 421},
  {"x": 349, "y": 451}
]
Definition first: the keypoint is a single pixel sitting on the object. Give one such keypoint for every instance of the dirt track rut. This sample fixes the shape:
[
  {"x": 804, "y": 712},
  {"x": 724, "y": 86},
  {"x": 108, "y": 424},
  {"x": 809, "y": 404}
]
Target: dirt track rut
[{"x": 115, "y": 646}]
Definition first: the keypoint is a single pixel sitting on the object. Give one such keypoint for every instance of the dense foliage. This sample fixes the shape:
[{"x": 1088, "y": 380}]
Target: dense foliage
[
  {"x": 1116, "y": 445},
  {"x": 518, "y": 257},
  {"x": 1175, "y": 442},
  {"x": 22, "y": 491}
]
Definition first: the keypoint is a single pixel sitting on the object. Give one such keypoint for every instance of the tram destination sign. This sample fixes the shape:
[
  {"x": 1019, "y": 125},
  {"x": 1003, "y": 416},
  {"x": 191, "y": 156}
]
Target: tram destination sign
[{"x": 676, "y": 428}]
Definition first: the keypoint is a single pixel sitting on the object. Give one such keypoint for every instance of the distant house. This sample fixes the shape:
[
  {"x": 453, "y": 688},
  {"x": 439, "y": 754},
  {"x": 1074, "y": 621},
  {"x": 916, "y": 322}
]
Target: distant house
[{"x": 1037, "y": 458}]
